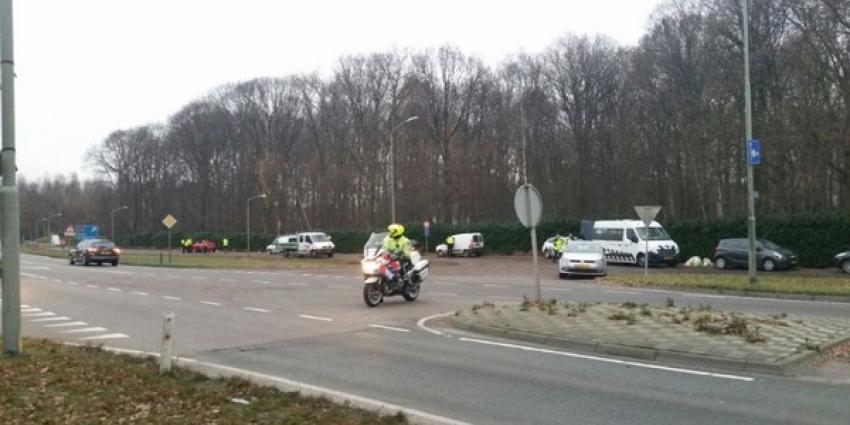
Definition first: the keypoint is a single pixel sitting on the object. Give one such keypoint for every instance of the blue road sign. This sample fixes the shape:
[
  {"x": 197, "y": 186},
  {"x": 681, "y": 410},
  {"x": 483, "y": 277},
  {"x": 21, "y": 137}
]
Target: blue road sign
[
  {"x": 86, "y": 231},
  {"x": 753, "y": 152}
]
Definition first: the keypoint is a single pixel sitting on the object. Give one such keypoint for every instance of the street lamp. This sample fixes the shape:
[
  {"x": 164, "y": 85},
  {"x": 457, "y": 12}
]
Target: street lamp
[
  {"x": 112, "y": 220},
  {"x": 48, "y": 225},
  {"x": 392, "y": 164},
  {"x": 248, "y": 220},
  {"x": 748, "y": 129}
]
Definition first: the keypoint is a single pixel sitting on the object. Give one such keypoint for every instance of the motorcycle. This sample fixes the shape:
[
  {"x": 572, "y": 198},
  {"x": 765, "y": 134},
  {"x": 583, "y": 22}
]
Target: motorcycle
[{"x": 377, "y": 285}]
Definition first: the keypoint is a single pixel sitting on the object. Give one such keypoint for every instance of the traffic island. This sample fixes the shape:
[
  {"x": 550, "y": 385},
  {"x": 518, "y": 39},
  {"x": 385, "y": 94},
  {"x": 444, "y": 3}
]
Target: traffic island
[{"x": 775, "y": 344}]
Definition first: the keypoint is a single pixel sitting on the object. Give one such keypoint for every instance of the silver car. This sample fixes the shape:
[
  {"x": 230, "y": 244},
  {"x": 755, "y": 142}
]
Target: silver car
[{"x": 582, "y": 258}]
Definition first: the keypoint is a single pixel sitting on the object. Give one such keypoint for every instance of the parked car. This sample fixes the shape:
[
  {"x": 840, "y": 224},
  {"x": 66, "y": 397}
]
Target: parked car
[
  {"x": 466, "y": 244},
  {"x": 582, "y": 258},
  {"x": 843, "y": 261},
  {"x": 96, "y": 251},
  {"x": 373, "y": 245},
  {"x": 281, "y": 243},
  {"x": 626, "y": 241},
  {"x": 302, "y": 244},
  {"x": 548, "y": 248},
  {"x": 733, "y": 253},
  {"x": 203, "y": 246}
]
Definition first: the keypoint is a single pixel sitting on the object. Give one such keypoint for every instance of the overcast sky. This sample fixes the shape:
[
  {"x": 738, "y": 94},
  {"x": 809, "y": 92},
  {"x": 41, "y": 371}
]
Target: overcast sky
[{"x": 88, "y": 67}]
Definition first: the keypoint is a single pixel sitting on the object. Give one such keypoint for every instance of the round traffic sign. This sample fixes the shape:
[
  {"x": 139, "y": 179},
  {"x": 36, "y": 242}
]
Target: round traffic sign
[{"x": 528, "y": 205}]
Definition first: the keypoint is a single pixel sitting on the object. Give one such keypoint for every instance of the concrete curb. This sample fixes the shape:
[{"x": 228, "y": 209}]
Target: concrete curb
[
  {"x": 214, "y": 370},
  {"x": 783, "y": 368},
  {"x": 753, "y": 294}
]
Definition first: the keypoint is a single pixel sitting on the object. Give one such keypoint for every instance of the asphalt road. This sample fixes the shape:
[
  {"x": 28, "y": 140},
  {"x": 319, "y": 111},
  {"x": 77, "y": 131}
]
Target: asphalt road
[{"x": 312, "y": 326}]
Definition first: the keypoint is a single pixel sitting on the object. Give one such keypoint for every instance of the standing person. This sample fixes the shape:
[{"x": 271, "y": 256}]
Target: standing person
[
  {"x": 225, "y": 243},
  {"x": 558, "y": 246},
  {"x": 450, "y": 244},
  {"x": 189, "y": 244}
]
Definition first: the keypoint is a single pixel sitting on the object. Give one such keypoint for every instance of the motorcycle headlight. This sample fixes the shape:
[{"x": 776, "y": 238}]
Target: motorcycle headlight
[{"x": 370, "y": 267}]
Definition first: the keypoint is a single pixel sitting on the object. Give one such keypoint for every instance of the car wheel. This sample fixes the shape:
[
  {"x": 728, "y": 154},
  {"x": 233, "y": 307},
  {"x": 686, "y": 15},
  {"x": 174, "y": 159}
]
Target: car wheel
[
  {"x": 441, "y": 253},
  {"x": 768, "y": 265},
  {"x": 114, "y": 263},
  {"x": 846, "y": 266},
  {"x": 563, "y": 275},
  {"x": 86, "y": 261},
  {"x": 330, "y": 254},
  {"x": 720, "y": 263},
  {"x": 71, "y": 260},
  {"x": 641, "y": 260}
]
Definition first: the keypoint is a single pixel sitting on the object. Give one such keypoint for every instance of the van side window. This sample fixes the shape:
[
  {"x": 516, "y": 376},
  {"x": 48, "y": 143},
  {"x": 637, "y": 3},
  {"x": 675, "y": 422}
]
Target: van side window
[
  {"x": 615, "y": 235},
  {"x": 631, "y": 235},
  {"x": 308, "y": 240}
]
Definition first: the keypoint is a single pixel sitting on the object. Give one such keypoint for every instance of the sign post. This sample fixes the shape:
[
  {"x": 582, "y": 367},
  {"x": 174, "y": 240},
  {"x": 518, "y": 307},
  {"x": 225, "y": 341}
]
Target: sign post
[
  {"x": 647, "y": 214},
  {"x": 529, "y": 207},
  {"x": 169, "y": 221}
]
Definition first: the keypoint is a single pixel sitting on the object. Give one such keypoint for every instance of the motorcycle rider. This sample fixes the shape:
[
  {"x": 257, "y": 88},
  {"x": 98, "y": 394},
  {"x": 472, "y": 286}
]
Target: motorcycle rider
[{"x": 397, "y": 245}]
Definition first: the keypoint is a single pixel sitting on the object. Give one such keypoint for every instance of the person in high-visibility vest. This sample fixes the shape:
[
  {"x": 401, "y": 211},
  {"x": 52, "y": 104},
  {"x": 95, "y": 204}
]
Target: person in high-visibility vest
[
  {"x": 450, "y": 244},
  {"x": 189, "y": 245},
  {"x": 558, "y": 246},
  {"x": 225, "y": 243}
]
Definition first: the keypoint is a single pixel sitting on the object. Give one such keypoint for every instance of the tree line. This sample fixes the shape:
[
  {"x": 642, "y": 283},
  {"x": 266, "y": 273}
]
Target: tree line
[{"x": 596, "y": 126}]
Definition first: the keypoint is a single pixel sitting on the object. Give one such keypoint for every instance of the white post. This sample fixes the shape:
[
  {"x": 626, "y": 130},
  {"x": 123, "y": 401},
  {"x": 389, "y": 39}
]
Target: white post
[{"x": 166, "y": 353}]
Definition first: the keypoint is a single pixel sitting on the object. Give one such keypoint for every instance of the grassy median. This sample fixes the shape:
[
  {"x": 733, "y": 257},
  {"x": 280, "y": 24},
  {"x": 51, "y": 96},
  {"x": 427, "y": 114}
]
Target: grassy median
[
  {"x": 217, "y": 261},
  {"x": 775, "y": 283},
  {"x": 58, "y": 384}
]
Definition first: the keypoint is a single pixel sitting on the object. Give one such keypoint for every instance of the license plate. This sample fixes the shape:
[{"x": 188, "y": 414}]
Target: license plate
[
  {"x": 668, "y": 258},
  {"x": 582, "y": 266}
]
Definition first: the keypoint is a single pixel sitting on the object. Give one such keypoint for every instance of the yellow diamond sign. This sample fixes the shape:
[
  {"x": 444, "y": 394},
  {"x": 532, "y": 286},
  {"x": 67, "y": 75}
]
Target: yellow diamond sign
[{"x": 169, "y": 221}]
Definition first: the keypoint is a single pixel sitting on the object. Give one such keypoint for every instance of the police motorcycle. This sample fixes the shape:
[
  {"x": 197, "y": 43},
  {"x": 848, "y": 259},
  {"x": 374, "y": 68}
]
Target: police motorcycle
[{"x": 384, "y": 276}]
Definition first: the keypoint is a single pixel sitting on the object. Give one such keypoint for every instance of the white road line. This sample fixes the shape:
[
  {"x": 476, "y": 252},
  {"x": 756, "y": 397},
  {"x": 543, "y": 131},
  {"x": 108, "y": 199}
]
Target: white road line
[
  {"x": 91, "y": 286},
  {"x": 63, "y": 325},
  {"x": 83, "y": 330},
  {"x": 107, "y": 336},
  {"x": 389, "y": 328},
  {"x": 421, "y": 323},
  {"x": 263, "y": 282},
  {"x": 116, "y": 272},
  {"x": 607, "y": 360},
  {"x": 257, "y": 309},
  {"x": 144, "y": 294},
  {"x": 210, "y": 303},
  {"x": 558, "y": 289},
  {"x": 57, "y": 280},
  {"x": 323, "y": 319},
  {"x": 25, "y": 306},
  {"x": 611, "y": 291},
  {"x": 169, "y": 297},
  {"x": 30, "y": 309},
  {"x": 306, "y": 274},
  {"x": 44, "y": 314},
  {"x": 73, "y": 283},
  {"x": 227, "y": 280},
  {"x": 51, "y": 319},
  {"x": 704, "y": 296},
  {"x": 493, "y": 285},
  {"x": 339, "y": 277},
  {"x": 113, "y": 289}
]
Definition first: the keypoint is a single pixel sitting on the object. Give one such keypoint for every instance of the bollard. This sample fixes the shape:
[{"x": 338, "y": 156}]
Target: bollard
[{"x": 165, "y": 354}]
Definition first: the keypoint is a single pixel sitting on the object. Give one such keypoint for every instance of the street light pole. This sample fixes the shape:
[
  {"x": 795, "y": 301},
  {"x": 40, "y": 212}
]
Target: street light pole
[
  {"x": 248, "y": 221},
  {"x": 748, "y": 118},
  {"x": 392, "y": 163},
  {"x": 48, "y": 225},
  {"x": 112, "y": 220}
]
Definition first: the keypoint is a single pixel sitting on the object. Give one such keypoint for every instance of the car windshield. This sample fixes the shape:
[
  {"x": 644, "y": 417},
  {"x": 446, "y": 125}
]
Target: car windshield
[
  {"x": 583, "y": 248},
  {"x": 376, "y": 240},
  {"x": 655, "y": 234},
  {"x": 319, "y": 237},
  {"x": 766, "y": 244}
]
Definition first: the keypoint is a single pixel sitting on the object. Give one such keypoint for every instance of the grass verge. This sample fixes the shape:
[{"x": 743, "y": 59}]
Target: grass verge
[
  {"x": 57, "y": 384},
  {"x": 214, "y": 261},
  {"x": 836, "y": 286}
]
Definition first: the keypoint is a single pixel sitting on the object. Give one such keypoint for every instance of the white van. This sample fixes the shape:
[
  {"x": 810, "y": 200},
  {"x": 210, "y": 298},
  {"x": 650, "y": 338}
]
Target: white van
[
  {"x": 625, "y": 241},
  {"x": 302, "y": 244},
  {"x": 466, "y": 244}
]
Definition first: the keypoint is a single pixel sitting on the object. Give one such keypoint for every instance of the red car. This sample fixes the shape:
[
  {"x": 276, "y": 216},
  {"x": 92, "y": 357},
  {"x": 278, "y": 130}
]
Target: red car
[{"x": 204, "y": 246}]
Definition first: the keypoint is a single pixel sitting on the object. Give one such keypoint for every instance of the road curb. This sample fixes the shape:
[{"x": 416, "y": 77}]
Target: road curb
[
  {"x": 784, "y": 368},
  {"x": 751, "y": 294},
  {"x": 215, "y": 370}
]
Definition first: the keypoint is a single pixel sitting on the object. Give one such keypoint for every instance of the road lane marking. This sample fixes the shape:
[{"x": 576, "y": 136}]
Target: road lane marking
[
  {"x": 704, "y": 296},
  {"x": 493, "y": 285},
  {"x": 607, "y": 360},
  {"x": 107, "y": 336},
  {"x": 117, "y": 272},
  {"x": 227, "y": 280},
  {"x": 91, "y": 286},
  {"x": 210, "y": 303},
  {"x": 306, "y": 274},
  {"x": 421, "y": 323},
  {"x": 339, "y": 277},
  {"x": 257, "y": 309},
  {"x": 73, "y": 283},
  {"x": 144, "y": 294},
  {"x": 611, "y": 291},
  {"x": 199, "y": 278},
  {"x": 170, "y": 298},
  {"x": 558, "y": 289},
  {"x": 389, "y": 328},
  {"x": 113, "y": 289},
  {"x": 44, "y": 314},
  {"x": 57, "y": 280},
  {"x": 323, "y": 319},
  {"x": 36, "y": 268},
  {"x": 30, "y": 309},
  {"x": 51, "y": 319},
  {"x": 263, "y": 282},
  {"x": 84, "y": 330},
  {"x": 63, "y": 325}
]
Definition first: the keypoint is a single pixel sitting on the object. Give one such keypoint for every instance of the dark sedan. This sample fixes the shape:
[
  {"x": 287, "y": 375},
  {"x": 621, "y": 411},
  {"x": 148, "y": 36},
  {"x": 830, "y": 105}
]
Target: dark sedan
[
  {"x": 843, "y": 261},
  {"x": 731, "y": 253},
  {"x": 97, "y": 251}
]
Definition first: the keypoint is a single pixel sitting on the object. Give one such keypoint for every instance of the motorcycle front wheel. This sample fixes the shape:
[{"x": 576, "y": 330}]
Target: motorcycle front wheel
[
  {"x": 372, "y": 294},
  {"x": 410, "y": 291}
]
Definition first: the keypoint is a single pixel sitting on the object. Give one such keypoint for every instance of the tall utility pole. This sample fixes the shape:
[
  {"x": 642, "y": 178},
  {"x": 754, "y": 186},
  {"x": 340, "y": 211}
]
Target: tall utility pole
[
  {"x": 392, "y": 164},
  {"x": 748, "y": 118},
  {"x": 9, "y": 190}
]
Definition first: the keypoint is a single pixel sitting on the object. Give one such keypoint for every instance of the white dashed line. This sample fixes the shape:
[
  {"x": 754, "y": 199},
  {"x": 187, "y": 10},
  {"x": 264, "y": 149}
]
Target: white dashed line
[
  {"x": 704, "y": 296},
  {"x": 30, "y": 309},
  {"x": 610, "y": 291},
  {"x": 263, "y": 282},
  {"x": 493, "y": 285},
  {"x": 57, "y": 280},
  {"x": 144, "y": 294},
  {"x": 113, "y": 289},
  {"x": 323, "y": 319},
  {"x": 84, "y": 330},
  {"x": 91, "y": 286},
  {"x": 339, "y": 277},
  {"x": 306, "y": 275},
  {"x": 211, "y": 303},
  {"x": 63, "y": 325},
  {"x": 558, "y": 289},
  {"x": 169, "y": 297},
  {"x": 227, "y": 280},
  {"x": 107, "y": 336},
  {"x": 389, "y": 328},
  {"x": 258, "y": 310},
  {"x": 45, "y": 314},
  {"x": 73, "y": 283},
  {"x": 51, "y": 319}
]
